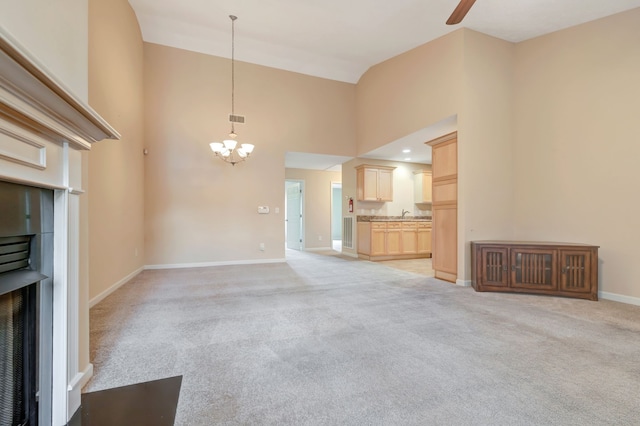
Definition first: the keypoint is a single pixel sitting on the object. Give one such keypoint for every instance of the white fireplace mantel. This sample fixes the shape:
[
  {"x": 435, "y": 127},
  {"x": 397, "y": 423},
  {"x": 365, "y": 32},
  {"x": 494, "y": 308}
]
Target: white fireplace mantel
[{"x": 43, "y": 128}]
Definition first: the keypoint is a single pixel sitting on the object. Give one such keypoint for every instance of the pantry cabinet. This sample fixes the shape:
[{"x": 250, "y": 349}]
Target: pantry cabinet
[{"x": 445, "y": 206}]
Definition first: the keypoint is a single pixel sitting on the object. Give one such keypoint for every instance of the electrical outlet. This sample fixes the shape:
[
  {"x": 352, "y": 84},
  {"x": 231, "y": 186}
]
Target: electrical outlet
[
  {"x": 261, "y": 246},
  {"x": 319, "y": 237}
]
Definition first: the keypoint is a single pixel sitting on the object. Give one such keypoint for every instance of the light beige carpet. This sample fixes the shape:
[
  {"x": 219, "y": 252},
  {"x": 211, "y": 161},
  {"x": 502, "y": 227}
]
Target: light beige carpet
[{"x": 328, "y": 340}]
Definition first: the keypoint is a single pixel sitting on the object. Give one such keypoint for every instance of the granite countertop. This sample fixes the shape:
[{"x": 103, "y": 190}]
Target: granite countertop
[{"x": 394, "y": 219}]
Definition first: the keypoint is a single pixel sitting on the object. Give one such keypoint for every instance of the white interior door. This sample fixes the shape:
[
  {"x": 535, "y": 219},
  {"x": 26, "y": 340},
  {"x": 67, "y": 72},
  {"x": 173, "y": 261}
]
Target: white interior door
[{"x": 293, "y": 217}]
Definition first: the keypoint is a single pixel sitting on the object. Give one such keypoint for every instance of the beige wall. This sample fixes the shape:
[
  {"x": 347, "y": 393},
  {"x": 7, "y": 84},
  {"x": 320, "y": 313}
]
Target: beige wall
[
  {"x": 576, "y": 142},
  {"x": 55, "y": 32},
  {"x": 410, "y": 92},
  {"x": 317, "y": 204},
  {"x": 116, "y": 170},
  {"x": 485, "y": 158},
  {"x": 200, "y": 210},
  {"x": 467, "y": 74}
]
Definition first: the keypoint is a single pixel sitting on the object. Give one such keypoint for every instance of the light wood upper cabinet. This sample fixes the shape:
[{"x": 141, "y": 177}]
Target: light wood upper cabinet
[
  {"x": 374, "y": 183},
  {"x": 422, "y": 186}
]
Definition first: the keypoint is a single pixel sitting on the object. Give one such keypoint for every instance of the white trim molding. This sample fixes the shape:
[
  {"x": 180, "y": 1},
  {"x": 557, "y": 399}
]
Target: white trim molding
[
  {"x": 97, "y": 299},
  {"x": 75, "y": 388},
  {"x": 463, "y": 283},
  {"x": 207, "y": 264},
  {"x": 619, "y": 298}
]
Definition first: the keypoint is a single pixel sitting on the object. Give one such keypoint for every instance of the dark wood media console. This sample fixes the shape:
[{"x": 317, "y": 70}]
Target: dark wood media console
[{"x": 559, "y": 269}]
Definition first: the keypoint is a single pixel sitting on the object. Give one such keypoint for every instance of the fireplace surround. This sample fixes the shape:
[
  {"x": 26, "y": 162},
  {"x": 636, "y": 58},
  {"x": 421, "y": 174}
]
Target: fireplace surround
[
  {"x": 44, "y": 128},
  {"x": 26, "y": 284}
]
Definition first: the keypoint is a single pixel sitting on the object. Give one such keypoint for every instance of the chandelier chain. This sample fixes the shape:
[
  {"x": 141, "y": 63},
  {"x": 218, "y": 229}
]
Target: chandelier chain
[{"x": 233, "y": 73}]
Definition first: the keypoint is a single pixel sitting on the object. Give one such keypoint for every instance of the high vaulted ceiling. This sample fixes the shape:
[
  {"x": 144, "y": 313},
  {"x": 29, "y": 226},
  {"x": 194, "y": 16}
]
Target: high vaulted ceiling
[{"x": 341, "y": 39}]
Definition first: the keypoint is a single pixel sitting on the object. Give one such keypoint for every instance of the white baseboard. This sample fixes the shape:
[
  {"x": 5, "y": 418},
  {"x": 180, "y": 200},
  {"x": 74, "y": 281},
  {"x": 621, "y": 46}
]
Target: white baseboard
[
  {"x": 75, "y": 389},
  {"x": 206, "y": 264},
  {"x": 619, "y": 298},
  {"x": 113, "y": 288},
  {"x": 318, "y": 249},
  {"x": 463, "y": 283}
]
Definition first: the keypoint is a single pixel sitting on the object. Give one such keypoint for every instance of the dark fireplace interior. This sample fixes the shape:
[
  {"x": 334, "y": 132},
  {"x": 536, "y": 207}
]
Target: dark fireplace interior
[{"x": 26, "y": 304}]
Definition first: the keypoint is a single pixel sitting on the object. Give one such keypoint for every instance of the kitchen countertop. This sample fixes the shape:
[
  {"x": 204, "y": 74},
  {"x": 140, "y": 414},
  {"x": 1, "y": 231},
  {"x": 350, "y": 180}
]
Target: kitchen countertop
[{"x": 393, "y": 219}]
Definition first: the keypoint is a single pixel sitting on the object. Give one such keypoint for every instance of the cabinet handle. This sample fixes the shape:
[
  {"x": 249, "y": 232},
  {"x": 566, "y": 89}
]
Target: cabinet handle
[
  {"x": 513, "y": 267},
  {"x": 504, "y": 268}
]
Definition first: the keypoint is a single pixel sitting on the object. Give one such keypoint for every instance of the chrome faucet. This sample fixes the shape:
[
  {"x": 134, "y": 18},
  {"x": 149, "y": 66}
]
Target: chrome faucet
[{"x": 404, "y": 212}]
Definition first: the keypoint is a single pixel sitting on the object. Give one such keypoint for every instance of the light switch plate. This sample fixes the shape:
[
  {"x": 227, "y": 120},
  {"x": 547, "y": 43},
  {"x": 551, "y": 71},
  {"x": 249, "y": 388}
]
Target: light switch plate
[{"x": 263, "y": 209}]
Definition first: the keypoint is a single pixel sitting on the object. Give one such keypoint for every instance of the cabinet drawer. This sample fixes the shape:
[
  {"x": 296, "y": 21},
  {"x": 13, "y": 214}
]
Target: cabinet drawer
[
  {"x": 394, "y": 225},
  {"x": 424, "y": 224},
  {"x": 378, "y": 225},
  {"x": 409, "y": 225}
]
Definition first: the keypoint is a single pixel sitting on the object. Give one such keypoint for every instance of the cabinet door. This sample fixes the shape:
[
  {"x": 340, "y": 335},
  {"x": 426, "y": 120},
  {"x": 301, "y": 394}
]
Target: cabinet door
[
  {"x": 378, "y": 241},
  {"x": 424, "y": 240},
  {"x": 394, "y": 238},
  {"x": 426, "y": 187},
  {"x": 534, "y": 269},
  {"x": 445, "y": 160},
  {"x": 494, "y": 264},
  {"x": 409, "y": 238},
  {"x": 370, "y": 185},
  {"x": 445, "y": 240},
  {"x": 575, "y": 271},
  {"x": 385, "y": 185}
]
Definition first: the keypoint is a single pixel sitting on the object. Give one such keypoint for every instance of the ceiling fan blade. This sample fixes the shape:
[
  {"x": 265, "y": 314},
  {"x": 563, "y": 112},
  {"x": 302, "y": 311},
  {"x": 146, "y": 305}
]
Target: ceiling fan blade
[{"x": 460, "y": 11}]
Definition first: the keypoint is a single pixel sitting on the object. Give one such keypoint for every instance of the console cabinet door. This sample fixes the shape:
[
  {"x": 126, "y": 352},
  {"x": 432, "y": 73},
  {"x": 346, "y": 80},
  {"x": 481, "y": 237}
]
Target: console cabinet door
[
  {"x": 575, "y": 271},
  {"x": 495, "y": 267},
  {"x": 534, "y": 269}
]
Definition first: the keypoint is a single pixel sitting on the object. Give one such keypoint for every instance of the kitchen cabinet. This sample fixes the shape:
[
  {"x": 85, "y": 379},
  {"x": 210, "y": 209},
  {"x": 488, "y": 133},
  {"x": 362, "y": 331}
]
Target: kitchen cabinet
[
  {"x": 422, "y": 192},
  {"x": 562, "y": 269},
  {"x": 445, "y": 206},
  {"x": 423, "y": 238},
  {"x": 374, "y": 183},
  {"x": 386, "y": 240},
  {"x": 378, "y": 239},
  {"x": 409, "y": 237}
]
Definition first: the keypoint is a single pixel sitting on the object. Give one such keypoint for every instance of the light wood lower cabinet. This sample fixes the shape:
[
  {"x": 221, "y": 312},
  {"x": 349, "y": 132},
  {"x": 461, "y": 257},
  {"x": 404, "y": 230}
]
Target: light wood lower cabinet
[
  {"x": 424, "y": 238},
  {"x": 409, "y": 237},
  {"x": 394, "y": 240},
  {"x": 560, "y": 269}
]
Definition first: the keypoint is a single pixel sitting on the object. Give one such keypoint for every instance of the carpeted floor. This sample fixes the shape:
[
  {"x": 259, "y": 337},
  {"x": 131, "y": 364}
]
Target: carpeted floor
[{"x": 336, "y": 341}]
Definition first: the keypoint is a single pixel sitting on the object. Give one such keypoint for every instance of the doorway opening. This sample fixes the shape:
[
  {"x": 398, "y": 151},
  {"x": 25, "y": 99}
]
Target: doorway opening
[
  {"x": 293, "y": 216},
  {"x": 336, "y": 216}
]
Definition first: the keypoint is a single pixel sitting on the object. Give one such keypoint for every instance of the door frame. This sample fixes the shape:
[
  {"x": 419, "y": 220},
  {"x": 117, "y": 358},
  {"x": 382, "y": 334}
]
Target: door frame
[{"x": 302, "y": 204}]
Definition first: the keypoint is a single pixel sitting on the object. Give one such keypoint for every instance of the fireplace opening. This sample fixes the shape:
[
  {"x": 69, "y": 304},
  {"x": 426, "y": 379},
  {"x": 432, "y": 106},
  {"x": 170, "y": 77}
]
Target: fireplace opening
[
  {"x": 26, "y": 305},
  {"x": 18, "y": 361}
]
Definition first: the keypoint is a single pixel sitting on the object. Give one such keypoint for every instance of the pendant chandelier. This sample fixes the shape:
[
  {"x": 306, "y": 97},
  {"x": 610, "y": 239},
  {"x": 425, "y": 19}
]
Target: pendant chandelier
[{"x": 228, "y": 150}]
